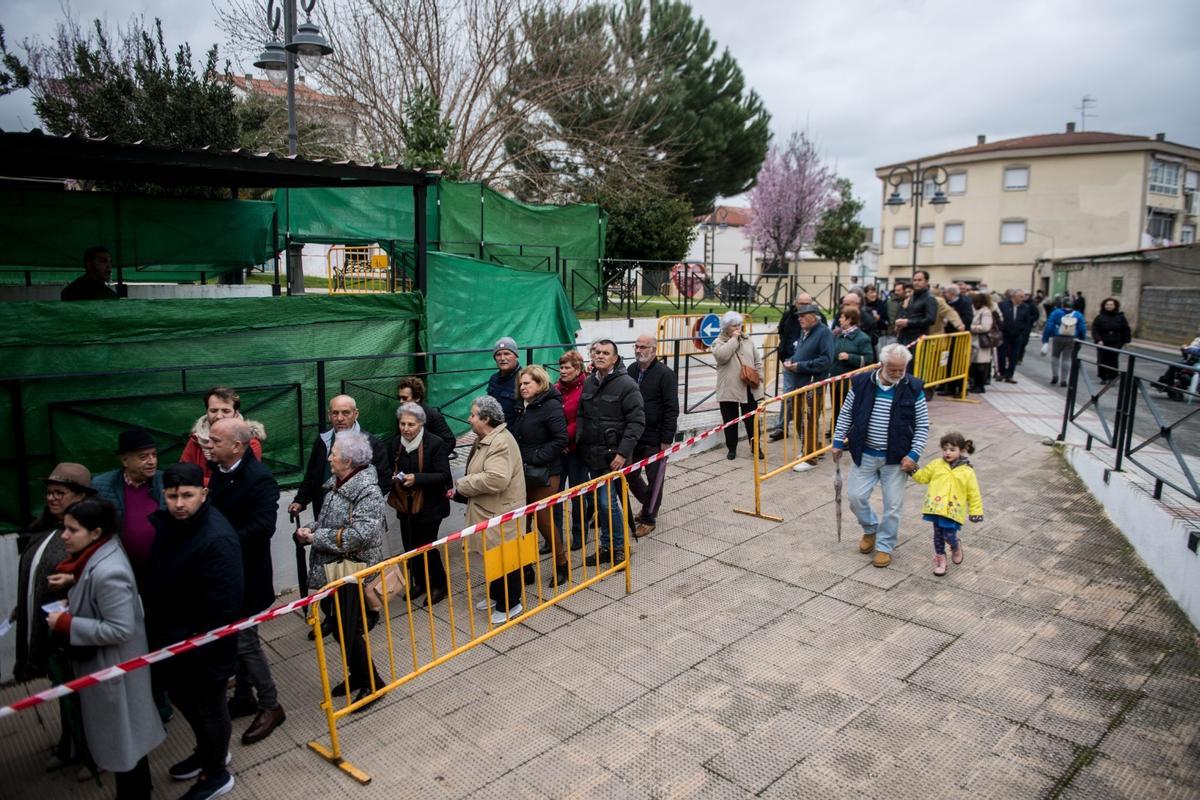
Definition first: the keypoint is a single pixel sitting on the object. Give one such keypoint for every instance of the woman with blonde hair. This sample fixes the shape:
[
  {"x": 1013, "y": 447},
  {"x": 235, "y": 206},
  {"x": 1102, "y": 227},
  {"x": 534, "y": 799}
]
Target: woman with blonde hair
[{"x": 540, "y": 428}]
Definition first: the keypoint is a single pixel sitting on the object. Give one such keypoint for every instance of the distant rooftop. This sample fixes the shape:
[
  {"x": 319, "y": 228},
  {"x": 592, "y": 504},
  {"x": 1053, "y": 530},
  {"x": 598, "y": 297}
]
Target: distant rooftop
[{"x": 734, "y": 216}]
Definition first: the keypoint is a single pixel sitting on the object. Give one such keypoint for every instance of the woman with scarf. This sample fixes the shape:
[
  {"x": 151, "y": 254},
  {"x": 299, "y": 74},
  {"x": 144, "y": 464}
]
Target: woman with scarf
[
  {"x": 103, "y": 627},
  {"x": 420, "y": 478},
  {"x": 1111, "y": 329},
  {"x": 38, "y": 654},
  {"x": 574, "y": 471},
  {"x": 220, "y": 402}
]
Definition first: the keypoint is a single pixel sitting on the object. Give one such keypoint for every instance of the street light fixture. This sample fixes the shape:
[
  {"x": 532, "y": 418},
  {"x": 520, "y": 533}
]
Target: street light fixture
[
  {"x": 917, "y": 177},
  {"x": 278, "y": 60}
]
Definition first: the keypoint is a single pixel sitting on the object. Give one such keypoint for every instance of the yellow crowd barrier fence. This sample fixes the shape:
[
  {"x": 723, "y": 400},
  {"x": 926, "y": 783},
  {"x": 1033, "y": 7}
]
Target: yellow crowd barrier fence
[
  {"x": 944, "y": 359},
  {"x": 473, "y": 569},
  {"x": 357, "y": 270},
  {"x": 687, "y": 327}
]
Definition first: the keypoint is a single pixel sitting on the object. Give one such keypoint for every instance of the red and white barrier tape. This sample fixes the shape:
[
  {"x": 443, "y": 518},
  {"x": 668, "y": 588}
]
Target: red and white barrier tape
[{"x": 187, "y": 645}]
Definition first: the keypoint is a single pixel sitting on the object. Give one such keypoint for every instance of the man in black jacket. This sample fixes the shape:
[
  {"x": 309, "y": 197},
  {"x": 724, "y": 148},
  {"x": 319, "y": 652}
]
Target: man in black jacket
[
  {"x": 245, "y": 493},
  {"x": 660, "y": 401},
  {"x": 193, "y": 585},
  {"x": 610, "y": 423},
  {"x": 1014, "y": 318},
  {"x": 343, "y": 416},
  {"x": 789, "y": 332},
  {"x": 917, "y": 315}
]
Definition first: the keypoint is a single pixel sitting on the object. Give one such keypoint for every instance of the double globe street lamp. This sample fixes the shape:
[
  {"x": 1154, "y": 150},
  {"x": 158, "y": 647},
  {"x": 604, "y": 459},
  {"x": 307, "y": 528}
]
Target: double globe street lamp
[
  {"x": 278, "y": 60},
  {"x": 922, "y": 180}
]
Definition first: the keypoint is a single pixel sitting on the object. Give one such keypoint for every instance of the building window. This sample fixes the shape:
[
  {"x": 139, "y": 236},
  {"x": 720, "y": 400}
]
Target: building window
[
  {"x": 1012, "y": 231},
  {"x": 1164, "y": 177},
  {"x": 957, "y": 184},
  {"x": 1187, "y": 234},
  {"x": 952, "y": 233},
  {"x": 900, "y": 238},
  {"x": 1161, "y": 226},
  {"x": 926, "y": 238},
  {"x": 1118, "y": 283},
  {"x": 1016, "y": 179}
]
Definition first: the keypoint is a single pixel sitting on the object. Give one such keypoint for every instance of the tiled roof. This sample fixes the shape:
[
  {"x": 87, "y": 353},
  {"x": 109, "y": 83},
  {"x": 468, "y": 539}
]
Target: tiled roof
[
  {"x": 1044, "y": 140},
  {"x": 304, "y": 92},
  {"x": 734, "y": 216}
]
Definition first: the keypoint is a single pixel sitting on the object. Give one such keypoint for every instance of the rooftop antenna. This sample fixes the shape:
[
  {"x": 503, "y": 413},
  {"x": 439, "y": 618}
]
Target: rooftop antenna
[{"x": 1085, "y": 103}]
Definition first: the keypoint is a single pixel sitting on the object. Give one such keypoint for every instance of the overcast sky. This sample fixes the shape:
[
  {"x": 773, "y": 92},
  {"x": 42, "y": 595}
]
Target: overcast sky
[{"x": 878, "y": 82}]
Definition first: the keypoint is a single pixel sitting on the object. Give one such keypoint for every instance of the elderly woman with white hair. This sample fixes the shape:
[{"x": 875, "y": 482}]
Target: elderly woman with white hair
[
  {"x": 739, "y": 377},
  {"x": 349, "y": 528},
  {"x": 420, "y": 478},
  {"x": 495, "y": 483}
]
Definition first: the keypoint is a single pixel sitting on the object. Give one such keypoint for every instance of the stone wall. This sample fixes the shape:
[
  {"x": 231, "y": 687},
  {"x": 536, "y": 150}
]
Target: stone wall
[{"x": 1169, "y": 314}]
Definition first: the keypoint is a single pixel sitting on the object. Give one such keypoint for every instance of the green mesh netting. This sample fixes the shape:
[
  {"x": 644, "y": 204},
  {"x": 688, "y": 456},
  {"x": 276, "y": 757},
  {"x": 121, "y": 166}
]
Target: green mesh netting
[
  {"x": 78, "y": 418},
  {"x": 152, "y": 238}
]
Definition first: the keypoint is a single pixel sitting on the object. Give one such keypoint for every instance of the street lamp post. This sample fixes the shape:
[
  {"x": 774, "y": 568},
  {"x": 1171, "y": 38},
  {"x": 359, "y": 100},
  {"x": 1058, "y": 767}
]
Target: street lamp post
[
  {"x": 278, "y": 60},
  {"x": 916, "y": 177}
]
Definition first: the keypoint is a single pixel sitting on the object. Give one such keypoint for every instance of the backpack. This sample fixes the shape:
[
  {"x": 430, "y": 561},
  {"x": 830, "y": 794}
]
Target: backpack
[{"x": 1067, "y": 325}]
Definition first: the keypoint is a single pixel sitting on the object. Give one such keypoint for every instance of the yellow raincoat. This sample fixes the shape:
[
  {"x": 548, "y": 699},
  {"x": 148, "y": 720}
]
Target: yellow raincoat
[{"x": 953, "y": 491}]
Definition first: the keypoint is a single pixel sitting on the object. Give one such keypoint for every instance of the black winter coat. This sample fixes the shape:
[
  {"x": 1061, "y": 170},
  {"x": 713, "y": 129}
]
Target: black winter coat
[
  {"x": 966, "y": 312},
  {"x": 436, "y": 424},
  {"x": 248, "y": 497},
  {"x": 432, "y": 479},
  {"x": 921, "y": 314},
  {"x": 1017, "y": 321},
  {"x": 33, "y": 637},
  {"x": 789, "y": 332},
  {"x": 611, "y": 418},
  {"x": 1111, "y": 329},
  {"x": 194, "y": 584},
  {"x": 312, "y": 487},
  {"x": 541, "y": 431},
  {"x": 660, "y": 401}
]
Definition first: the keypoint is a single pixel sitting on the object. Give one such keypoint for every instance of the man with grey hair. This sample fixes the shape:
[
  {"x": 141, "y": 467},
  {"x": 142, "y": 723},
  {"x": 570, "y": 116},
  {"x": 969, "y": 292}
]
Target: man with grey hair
[
  {"x": 812, "y": 358},
  {"x": 660, "y": 401},
  {"x": 610, "y": 423},
  {"x": 884, "y": 423},
  {"x": 246, "y": 494},
  {"x": 343, "y": 417}
]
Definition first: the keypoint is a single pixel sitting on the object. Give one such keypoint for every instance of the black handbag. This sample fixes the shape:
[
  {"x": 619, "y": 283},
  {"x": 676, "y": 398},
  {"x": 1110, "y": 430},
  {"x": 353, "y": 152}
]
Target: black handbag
[{"x": 536, "y": 476}]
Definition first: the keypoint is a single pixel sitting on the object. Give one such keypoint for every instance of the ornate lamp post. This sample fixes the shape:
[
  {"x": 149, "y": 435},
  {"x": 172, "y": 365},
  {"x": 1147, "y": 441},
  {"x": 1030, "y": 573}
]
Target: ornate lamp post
[
  {"x": 278, "y": 60},
  {"x": 917, "y": 177}
]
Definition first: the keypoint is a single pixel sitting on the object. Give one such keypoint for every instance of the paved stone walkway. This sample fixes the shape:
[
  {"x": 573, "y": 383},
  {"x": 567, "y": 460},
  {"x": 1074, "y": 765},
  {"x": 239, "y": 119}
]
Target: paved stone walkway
[{"x": 763, "y": 659}]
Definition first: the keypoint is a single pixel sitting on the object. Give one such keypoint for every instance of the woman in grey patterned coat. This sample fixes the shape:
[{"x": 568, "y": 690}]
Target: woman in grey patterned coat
[{"x": 350, "y": 527}]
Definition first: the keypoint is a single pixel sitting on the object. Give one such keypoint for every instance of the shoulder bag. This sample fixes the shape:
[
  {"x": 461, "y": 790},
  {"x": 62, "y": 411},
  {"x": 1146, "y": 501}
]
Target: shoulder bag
[{"x": 749, "y": 375}]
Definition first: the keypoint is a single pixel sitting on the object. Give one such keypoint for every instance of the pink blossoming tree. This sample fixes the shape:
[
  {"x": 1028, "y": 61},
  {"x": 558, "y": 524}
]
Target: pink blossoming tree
[{"x": 793, "y": 191}]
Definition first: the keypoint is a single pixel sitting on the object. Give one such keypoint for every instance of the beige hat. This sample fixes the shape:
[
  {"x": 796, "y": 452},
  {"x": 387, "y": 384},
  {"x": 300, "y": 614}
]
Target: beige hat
[{"x": 76, "y": 476}]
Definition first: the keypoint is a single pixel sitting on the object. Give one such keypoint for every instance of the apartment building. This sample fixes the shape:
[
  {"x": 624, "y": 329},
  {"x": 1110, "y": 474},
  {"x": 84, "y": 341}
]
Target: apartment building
[{"x": 1017, "y": 203}]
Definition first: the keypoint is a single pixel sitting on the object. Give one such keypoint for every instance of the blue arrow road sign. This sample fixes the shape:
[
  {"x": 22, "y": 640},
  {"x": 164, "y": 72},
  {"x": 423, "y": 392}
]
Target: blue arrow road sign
[{"x": 710, "y": 329}]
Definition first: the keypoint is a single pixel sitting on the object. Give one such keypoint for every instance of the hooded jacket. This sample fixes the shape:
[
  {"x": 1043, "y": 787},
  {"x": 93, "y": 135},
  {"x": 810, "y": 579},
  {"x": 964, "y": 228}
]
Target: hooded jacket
[{"x": 953, "y": 491}]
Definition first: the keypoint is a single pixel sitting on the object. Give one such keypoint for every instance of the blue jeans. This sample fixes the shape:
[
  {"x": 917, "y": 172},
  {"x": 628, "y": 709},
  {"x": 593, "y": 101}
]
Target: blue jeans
[
  {"x": 790, "y": 381},
  {"x": 574, "y": 473},
  {"x": 863, "y": 478},
  {"x": 611, "y": 536}
]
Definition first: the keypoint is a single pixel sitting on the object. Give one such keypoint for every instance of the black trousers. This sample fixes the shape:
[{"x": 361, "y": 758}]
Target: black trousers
[
  {"x": 647, "y": 484},
  {"x": 1108, "y": 364},
  {"x": 204, "y": 707},
  {"x": 413, "y": 534},
  {"x": 135, "y": 784},
  {"x": 731, "y": 411},
  {"x": 505, "y": 592},
  {"x": 361, "y": 668}
]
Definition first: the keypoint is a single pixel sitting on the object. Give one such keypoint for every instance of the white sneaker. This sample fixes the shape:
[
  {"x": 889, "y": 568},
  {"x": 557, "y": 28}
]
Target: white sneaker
[
  {"x": 499, "y": 617},
  {"x": 804, "y": 466},
  {"x": 484, "y": 604}
]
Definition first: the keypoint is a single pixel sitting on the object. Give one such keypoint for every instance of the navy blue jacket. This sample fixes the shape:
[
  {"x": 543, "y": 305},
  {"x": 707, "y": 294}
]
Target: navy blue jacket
[
  {"x": 813, "y": 355},
  {"x": 902, "y": 424},
  {"x": 504, "y": 389},
  {"x": 248, "y": 497}
]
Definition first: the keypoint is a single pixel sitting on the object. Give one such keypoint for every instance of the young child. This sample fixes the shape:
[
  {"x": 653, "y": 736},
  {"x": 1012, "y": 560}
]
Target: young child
[{"x": 953, "y": 494}]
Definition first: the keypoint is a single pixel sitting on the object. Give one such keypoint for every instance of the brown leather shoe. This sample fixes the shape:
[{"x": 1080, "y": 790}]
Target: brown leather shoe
[
  {"x": 867, "y": 543},
  {"x": 882, "y": 559},
  {"x": 263, "y": 724},
  {"x": 643, "y": 529}
]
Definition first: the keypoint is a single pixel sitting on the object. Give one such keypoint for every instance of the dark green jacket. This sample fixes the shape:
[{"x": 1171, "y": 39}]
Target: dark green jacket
[{"x": 858, "y": 346}]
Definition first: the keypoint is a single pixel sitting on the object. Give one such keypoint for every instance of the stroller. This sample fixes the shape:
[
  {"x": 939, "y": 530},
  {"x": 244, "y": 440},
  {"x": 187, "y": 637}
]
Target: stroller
[{"x": 1178, "y": 377}]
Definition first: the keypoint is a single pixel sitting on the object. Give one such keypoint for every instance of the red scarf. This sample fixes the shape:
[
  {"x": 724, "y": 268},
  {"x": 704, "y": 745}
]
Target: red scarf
[{"x": 74, "y": 565}]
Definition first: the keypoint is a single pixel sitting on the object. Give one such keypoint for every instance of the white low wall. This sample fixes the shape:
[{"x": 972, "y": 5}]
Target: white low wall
[
  {"x": 144, "y": 291},
  {"x": 1159, "y": 538}
]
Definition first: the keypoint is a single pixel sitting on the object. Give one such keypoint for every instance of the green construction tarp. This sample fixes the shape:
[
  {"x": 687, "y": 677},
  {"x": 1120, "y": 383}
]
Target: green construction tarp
[
  {"x": 357, "y": 216},
  {"x": 160, "y": 357},
  {"x": 470, "y": 305},
  {"x": 152, "y": 238}
]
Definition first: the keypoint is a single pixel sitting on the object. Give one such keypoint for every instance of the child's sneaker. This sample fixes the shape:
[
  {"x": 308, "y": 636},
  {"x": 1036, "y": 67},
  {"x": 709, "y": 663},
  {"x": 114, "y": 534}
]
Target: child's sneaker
[
  {"x": 939, "y": 565},
  {"x": 956, "y": 554}
]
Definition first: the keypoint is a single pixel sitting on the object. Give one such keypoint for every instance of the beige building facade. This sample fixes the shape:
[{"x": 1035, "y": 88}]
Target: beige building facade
[{"x": 1017, "y": 205}]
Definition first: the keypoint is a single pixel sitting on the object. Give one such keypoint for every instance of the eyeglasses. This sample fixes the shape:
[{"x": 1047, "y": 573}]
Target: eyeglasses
[{"x": 57, "y": 494}]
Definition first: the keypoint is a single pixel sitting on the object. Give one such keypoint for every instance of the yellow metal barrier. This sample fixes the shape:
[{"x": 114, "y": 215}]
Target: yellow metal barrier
[
  {"x": 357, "y": 270},
  {"x": 810, "y": 418},
  {"x": 417, "y": 638},
  {"x": 944, "y": 358},
  {"x": 686, "y": 327}
]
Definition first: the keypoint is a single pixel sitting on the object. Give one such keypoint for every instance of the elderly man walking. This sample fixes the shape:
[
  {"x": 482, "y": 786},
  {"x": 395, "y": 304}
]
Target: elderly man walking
[
  {"x": 883, "y": 423},
  {"x": 246, "y": 494},
  {"x": 660, "y": 400},
  {"x": 611, "y": 419},
  {"x": 812, "y": 358}
]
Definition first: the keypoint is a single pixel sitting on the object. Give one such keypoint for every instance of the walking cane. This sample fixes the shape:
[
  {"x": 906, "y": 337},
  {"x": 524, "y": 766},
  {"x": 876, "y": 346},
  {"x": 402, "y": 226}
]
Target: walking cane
[
  {"x": 837, "y": 495},
  {"x": 301, "y": 563}
]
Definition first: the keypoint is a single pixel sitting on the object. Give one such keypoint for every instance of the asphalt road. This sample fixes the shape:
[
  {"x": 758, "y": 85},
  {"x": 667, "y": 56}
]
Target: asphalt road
[{"x": 1187, "y": 437}]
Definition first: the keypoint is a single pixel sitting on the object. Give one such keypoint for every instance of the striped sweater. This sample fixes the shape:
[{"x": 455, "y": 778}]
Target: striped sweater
[{"x": 877, "y": 431}]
